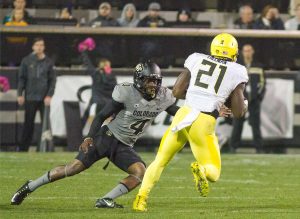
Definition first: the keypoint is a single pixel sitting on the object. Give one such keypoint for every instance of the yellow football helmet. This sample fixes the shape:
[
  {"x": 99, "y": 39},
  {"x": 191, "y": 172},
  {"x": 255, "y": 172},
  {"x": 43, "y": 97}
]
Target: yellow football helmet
[{"x": 224, "y": 46}]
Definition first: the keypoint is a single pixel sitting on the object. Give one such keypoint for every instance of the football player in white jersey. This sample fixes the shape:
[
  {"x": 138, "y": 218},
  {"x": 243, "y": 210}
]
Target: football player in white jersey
[{"x": 207, "y": 82}]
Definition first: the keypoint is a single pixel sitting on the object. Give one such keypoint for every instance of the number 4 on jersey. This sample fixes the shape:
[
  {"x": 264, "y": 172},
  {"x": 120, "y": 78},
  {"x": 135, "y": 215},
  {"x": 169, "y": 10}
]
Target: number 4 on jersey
[
  {"x": 138, "y": 126},
  {"x": 212, "y": 67}
]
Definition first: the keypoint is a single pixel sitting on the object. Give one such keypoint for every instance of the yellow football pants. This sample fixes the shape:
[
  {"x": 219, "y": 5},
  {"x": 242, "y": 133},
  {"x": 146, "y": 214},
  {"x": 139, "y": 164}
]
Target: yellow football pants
[{"x": 203, "y": 142}]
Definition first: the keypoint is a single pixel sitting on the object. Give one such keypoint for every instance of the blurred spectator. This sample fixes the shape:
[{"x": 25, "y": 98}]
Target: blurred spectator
[
  {"x": 126, "y": 47},
  {"x": 15, "y": 45},
  {"x": 292, "y": 48},
  {"x": 62, "y": 55},
  {"x": 254, "y": 92},
  {"x": 153, "y": 19},
  {"x": 271, "y": 53},
  {"x": 184, "y": 15},
  {"x": 294, "y": 23},
  {"x": 153, "y": 48},
  {"x": 129, "y": 16},
  {"x": 103, "y": 80},
  {"x": 257, "y": 5},
  {"x": 35, "y": 87},
  {"x": 105, "y": 46},
  {"x": 4, "y": 84},
  {"x": 184, "y": 45},
  {"x": 104, "y": 18},
  {"x": 245, "y": 20},
  {"x": 292, "y": 5},
  {"x": 17, "y": 18},
  {"x": 18, "y": 5},
  {"x": 282, "y": 5},
  {"x": 65, "y": 13},
  {"x": 269, "y": 19}
]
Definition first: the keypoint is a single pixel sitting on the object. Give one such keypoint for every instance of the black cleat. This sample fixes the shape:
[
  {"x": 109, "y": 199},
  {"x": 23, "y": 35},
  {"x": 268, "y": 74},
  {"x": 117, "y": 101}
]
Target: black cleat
[
  {"x": 107, "y": 203},
  {"x": 21, "y": 194}
]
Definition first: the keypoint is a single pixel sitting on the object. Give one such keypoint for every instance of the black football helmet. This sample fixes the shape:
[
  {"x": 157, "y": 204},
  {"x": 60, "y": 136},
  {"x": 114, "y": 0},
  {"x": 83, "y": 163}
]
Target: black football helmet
[{"x": 147, "y": 79}]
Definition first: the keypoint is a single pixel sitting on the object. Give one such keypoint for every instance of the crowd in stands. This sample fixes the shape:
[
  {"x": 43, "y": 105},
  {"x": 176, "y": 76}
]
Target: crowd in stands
[{"x": 268, "y": 18}]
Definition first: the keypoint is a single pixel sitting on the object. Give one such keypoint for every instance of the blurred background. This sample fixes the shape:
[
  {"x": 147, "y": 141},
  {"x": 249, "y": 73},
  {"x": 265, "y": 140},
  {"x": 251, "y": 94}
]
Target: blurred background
[{"x": 127, "y": 32}]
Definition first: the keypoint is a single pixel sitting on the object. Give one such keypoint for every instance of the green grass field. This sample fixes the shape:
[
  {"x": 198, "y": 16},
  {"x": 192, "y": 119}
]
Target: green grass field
[{"x": 251, "y": 186}]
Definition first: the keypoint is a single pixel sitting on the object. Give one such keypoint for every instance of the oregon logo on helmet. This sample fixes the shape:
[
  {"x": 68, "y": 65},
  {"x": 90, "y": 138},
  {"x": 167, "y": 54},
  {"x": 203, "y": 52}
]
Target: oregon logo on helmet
[{"x": 224, "y": 46}]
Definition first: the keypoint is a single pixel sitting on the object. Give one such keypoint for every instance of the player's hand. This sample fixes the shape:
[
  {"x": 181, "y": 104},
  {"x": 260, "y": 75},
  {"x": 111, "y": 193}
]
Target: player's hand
[
  {"x": 224, "y": 111},
  {"x": 87, "y": 142},
  {"x": 21, "y": 100},
  {"x": 47, "y": 100}
]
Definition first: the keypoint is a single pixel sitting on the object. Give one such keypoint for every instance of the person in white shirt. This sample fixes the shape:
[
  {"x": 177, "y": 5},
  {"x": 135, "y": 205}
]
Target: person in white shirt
[{"x": 294, "y": 23}]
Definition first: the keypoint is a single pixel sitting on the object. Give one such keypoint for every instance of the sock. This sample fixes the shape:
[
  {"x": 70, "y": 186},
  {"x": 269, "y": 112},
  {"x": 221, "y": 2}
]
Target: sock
[
  {"x": 116, "y": 192},
  {"x": 44, "y": 179}
]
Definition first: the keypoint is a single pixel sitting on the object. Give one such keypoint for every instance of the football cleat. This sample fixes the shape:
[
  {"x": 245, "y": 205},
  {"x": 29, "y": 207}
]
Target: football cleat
[
  {"x": 140, "y": 203},
  {"x": 20, "y": 194},
  {"x": 200, "y": 179},
  {"x": 107, "y": 203}
]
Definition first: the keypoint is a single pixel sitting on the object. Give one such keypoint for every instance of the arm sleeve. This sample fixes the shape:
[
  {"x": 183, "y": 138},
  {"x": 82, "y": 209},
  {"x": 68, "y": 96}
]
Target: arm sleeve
[
  {"x": 88, "y": 63},
  {"x": 112, "y": 107},
  {"x": 51, "y": 81},
  {"x": 22, "y": 78},
  {"x": 172, "y": 110}
]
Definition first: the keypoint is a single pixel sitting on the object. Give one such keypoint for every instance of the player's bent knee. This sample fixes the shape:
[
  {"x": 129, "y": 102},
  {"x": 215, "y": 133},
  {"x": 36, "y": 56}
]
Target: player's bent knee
[{"x": 137, "y": 170}]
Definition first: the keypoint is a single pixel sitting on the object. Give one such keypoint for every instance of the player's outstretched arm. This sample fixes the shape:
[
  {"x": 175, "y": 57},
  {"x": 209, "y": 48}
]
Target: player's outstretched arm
[
  {"x": 181, "y": 85},
  {"x": 239, "y": 105},
  {"x": 111, "y": 108}
]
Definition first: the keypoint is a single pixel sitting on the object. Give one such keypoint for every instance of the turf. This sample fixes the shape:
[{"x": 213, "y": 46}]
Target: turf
[{"x": 251, "y": 186}]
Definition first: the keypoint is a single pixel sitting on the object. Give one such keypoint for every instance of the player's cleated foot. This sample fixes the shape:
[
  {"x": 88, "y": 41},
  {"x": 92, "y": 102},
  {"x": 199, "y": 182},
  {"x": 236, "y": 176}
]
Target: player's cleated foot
[
  {"x": 107, "y": 203},
  {"x": 20, "y": 194},
  {"x": 200, "y": 179},
  {"x": 140, "y": 203}
]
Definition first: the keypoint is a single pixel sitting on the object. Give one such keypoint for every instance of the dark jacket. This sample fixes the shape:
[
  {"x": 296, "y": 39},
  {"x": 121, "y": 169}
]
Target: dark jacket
[
  {"x": 152, "y": 22},
  {"x": 102, "y": 84},
  {"x": 101, "y": 21},
  {"x": 276, "y": 24},
  {"x": 256, "y": 87},
  {"x": 36, "y": 77},
  {"x": 238, "y": 24}
]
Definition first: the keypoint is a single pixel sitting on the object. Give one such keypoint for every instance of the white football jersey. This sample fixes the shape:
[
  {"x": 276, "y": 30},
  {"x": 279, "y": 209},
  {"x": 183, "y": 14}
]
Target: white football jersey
[{"x": 212, "y": 81}]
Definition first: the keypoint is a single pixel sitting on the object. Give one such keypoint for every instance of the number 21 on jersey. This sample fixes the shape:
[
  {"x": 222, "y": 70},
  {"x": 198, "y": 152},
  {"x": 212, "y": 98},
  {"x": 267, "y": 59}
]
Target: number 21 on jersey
[{"x": 213, "y": 68}]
